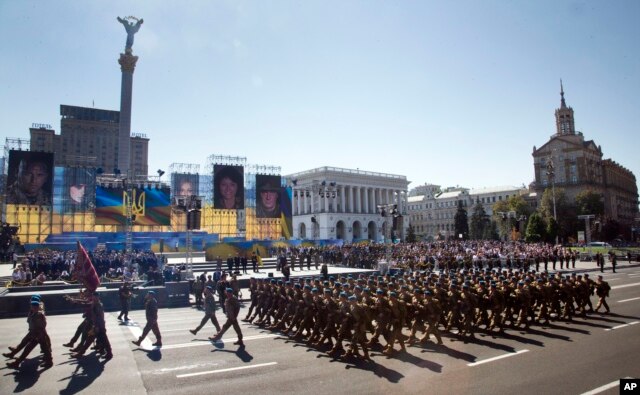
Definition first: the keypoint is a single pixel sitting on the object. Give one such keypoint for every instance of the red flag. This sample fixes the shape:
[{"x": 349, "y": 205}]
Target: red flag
[{"x": 85, "y": 272}]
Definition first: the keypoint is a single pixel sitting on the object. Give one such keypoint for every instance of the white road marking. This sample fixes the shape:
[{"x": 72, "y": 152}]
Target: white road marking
[
  {"x": 605, "y": 387},
  {"x": 186, "y": 367},
  {"x": 625, "y": 286},
  {"x": 180, "y": 376},
  {"x": 497, "y": 358},
  {"x": 208, "y": 342},
  {"x": 627, "y": 300},
  {"x": 622, "y": 326}
]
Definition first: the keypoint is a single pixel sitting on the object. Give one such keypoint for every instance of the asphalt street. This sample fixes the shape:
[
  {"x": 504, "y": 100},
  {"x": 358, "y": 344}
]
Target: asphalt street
[{"x": 584, "y": 356}]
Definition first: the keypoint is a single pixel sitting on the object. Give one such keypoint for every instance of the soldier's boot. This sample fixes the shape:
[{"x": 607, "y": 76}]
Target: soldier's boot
[
  {"x": 137, "y": 342},
  {"x": 70, "y": 345},
  {"x": 15, "y": 364},
  {"x": 402, "y": 346},
  {"x": 9, "y": 355},
  {"x": 336, "y": 349},
  {"x": 365, "y": 353},
  {"x": 158, "y": 342},
  {"x": 193, "y": 331},
  {"x": 388, "y": 350},
  {"x": 373, "y": 341}
]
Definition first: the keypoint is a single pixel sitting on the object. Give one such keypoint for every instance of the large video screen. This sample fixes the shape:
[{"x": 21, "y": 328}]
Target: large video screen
[
  {"x": 149, "y": 206},
  {"x": 228, "y": 188},
  {"x": 268, "y": 196},
  {"x": 184, "y": 184},
  {"x": 30, "y": 178},
  {"x": 74, "y": 190}
]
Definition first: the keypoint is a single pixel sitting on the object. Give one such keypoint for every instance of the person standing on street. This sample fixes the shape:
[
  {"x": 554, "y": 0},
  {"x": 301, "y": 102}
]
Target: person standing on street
[
  {"x": 125, "y": 295},
  {"x": 209, "y": 311},
  {"x": 151, "y": 311},
  {"x": 232, "y": 305}
]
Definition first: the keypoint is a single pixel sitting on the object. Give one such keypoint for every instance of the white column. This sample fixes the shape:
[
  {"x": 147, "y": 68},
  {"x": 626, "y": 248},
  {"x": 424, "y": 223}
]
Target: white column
[
  {"x": 326, "y": 202},
  {"x": 351, "y": 203},
  {"x": 312, "y": 201},
  {"x": 377, "y": 201},
  {"x": 342, "y": 199},
  {"x": 386, "y": 196},
  {"x": 366, "y": 200},
  {"x": 358, "y": 200},
  {"x": 298, "y": 201}
]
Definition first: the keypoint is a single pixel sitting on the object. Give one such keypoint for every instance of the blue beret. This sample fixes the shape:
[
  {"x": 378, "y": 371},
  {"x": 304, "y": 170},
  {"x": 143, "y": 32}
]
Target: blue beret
[
  {"x": 366, "y": 290},
  {"x": 427, "y": 292},
  {"x": 151, "y": 293},
  {"x": 379, "y": 291},
  {"x": 209, "y": 287},
  {"x": 327, "y": 291},
  {"x": 296, "y": 286},
  {"x": 353, "y": 297},
  {"x": 35, "y": 303},
  {"x": 416, "y": 291},
  {"x": 307, "y": 286},
  {"x": 36, "y": 296},
  {"x": 279, "y": 282},
  {"x": 331, "y": 278},
  {"x": 358, "y": 288},
  {"x": 229, "y": 290},
  {"x": 343, "y": 294},
  {"x": 314, "y": 290},
  {"x": 393, "y": 294}
]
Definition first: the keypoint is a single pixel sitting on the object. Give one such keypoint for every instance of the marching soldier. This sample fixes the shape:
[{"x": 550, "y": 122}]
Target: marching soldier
[
  {"x": 209, "y": 311},
  {"x": 232, "y": 308},
  {"x": 602, "y": 290},
  {"x": 151, "y": 312},
  {"x": 37, "y": 335}
]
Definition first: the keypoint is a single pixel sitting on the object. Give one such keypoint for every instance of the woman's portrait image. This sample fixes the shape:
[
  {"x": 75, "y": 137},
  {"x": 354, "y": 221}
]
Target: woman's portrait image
[
  {"x": 267, "y": 196},
  {"x": 184, "y": 184},
  {"x": 30, "y": 178},
  {"x": 228, "y": 190}
]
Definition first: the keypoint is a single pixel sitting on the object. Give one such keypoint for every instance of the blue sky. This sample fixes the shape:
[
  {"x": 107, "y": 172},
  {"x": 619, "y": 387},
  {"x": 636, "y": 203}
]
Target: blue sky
[{"x": 446, "y": 92}]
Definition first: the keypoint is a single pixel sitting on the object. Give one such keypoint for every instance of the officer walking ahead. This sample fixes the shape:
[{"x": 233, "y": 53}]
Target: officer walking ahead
[
  {"x": 151, "y": 310},
  {"x": 232, "y": 307},
  {"x": 37, "y": 335}
]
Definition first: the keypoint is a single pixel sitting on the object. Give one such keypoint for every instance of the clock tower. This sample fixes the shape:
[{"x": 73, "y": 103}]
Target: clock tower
[{"x": 564, "y": 117}]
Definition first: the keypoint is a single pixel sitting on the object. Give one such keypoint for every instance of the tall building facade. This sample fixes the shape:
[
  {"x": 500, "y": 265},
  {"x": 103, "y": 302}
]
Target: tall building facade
[
  {"x": 90, "y": 137},
  {"x": 336, "y": 203},
  {"x": 574, "y": 164},
  {"x": 431, "y": 211}
]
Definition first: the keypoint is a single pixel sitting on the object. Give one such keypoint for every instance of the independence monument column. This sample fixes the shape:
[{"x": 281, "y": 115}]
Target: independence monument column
[{"x": 127, "y": 65}]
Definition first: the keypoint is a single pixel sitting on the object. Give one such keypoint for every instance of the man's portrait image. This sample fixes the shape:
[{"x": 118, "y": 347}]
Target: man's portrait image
[
  {"x": 30, "y": 178},
  {"x": 268, "y": 196}
]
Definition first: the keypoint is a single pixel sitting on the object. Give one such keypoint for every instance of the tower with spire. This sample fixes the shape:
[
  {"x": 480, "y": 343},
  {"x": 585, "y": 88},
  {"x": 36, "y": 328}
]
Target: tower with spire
[{"x": 564, "y": 117}]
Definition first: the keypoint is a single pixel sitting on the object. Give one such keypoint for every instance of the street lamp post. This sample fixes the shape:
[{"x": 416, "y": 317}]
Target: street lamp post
[
  {"x": 551, "y": 174},
  {"x": 587, "y": 225}
]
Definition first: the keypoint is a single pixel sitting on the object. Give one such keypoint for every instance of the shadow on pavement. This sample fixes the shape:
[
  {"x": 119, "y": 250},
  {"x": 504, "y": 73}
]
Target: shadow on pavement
[
  {"x": 88, "y": 368},
  {"x": 390, "y": 375},
  {"x": 26, "y": 376},
  {"x": 154, "y": 355},
  {"x": 241, "y": 353},
  {"x": 419, "y": 362},
  {"x": 441, "y": 348}
]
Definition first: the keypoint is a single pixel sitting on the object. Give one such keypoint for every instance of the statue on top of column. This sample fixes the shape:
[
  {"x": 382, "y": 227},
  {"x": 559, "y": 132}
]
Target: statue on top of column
[{"x": 131, "y": 28}]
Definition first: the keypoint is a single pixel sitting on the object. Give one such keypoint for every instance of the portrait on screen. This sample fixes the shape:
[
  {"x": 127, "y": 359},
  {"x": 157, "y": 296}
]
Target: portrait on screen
[
  {"x": 228, "y": 189},
  {"x": 267, "y": 196},
  {"x": 184, "y": 184},
  {"x": 30, "y": 178}
]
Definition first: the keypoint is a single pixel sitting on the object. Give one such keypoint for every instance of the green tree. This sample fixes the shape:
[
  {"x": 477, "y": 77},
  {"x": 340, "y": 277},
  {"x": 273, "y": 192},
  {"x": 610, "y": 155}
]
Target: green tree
[
  {"x": 491, "y": 231},
  {"x": 552, "y": 230},
  {"x": 461, "y": 222},
  {"x": 479, "y": 222},
  {"x": 567, "y": 224},
  {"x": 590, "y": 202},
  {"x": 535, "y": 229},
  {"x": 411, "y": 235}
]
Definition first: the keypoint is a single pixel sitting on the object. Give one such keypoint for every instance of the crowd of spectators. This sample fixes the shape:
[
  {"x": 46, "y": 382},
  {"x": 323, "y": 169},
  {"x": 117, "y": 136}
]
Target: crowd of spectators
[
  {"x": 441, "y": 255},
  {"x": 38, "y": 267}
]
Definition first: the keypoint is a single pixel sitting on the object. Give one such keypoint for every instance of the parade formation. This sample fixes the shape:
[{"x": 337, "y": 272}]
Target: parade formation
[{"x": 460, "y": 295}]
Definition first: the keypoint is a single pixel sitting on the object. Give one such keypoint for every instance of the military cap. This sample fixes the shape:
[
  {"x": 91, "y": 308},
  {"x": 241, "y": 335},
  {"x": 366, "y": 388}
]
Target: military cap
[
  {"x": 296, "y": 285},
  {"x": 35, "y": 303},
  {"x": 379, "y": 291},
  {"x": 314, "y": 290},
  {"x": 307, "y": 286},
  {"x": 151, "y": 293},
  {"x": 353, "y": 297},
  {"x": 343, "y": 294},
  {"x": 393, "y": 294},
  {"x": 427, "y": 292},
  {"x": 229, "y": 290}
]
